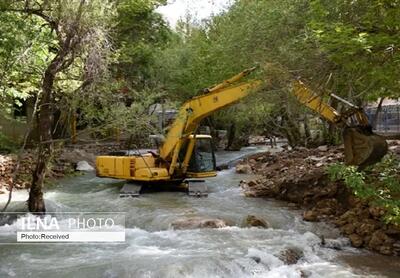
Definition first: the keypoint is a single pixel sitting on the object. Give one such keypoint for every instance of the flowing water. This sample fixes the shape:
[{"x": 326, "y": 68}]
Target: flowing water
[{"x": 153, "y": 249}]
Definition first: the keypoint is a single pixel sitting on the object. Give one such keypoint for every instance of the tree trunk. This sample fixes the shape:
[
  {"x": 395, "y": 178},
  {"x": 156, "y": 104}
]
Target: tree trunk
[
  {"x": 45, "y": 123},
  {"x": 307, "y": 133},
  {"x": 374, "y": 122},
  {"x": 231, "y": 136}
]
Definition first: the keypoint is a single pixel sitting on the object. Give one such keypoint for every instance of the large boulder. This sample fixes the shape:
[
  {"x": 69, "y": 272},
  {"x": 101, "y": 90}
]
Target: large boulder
[
  {"x": 76, "y": 155},
  {"x": 243, "y": 169},
  {"x": 84, "y": 166},
  {"x": 356, "y": 240},
  {"x": 254, "y": 221},
  {"x": 197, "y": 223},
  {"x": 291, "y": 255},
  {"x": 310, "y": 215},
  {"x": 381, "y": 242}
]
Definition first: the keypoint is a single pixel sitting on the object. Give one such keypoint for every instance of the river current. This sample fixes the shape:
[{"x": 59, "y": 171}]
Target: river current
[{"x": 153, "y": 249}]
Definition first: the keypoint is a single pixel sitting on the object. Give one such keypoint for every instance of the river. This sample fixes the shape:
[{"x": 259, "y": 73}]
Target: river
[{"x": 153, "y": 249}]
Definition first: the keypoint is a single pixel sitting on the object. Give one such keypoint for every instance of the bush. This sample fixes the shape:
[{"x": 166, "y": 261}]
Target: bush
[
  {"x": 6, "y": 144},
  {"x": 378, "y": 184}
]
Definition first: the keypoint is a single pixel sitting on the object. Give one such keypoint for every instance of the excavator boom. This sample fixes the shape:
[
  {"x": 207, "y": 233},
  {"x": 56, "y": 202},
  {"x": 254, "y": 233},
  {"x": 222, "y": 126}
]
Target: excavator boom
[{"x": 199, "y": 107}]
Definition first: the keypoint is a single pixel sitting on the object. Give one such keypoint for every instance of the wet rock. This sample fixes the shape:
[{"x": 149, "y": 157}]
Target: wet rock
[
  {"x": 348, "y": 229},
  {"x": 198, "y": 222},
  {"x": 84, "y": 166},
  {"x": 327, "y": 207},
  {"x": 381, "y": 242},
  {"x": 336, "y": 244},
  {"x": 243, "y": 169},
  {"x": 254, "y": 221},
  {"x": 305, "y": 273},
  {"x": 310, "y": 215},
  {"x": 256, "y": 259},
  {"x": 356, "y": 240},
  {"x": 386, "y": 250},
  {"x": 291, "y": 255}
]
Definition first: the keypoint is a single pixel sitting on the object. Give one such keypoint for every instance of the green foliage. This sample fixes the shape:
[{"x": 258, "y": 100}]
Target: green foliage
[
  {"x": 23, "y": 57},
  {"x": 138, "y": 33},
  {"x": 361, "y": 38},
  {"x": 271, "y": 34},
  {"x": 379, "y": 185},
  {"x": 6, "y": 144},
  {"x": 353, "y": 178}
]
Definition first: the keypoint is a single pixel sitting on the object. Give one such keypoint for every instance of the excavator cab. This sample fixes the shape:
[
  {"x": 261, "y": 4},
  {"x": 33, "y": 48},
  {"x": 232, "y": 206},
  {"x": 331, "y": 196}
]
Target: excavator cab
[
  {"x": 202, "y": 161},
  {"x": 362, "y": 147}
]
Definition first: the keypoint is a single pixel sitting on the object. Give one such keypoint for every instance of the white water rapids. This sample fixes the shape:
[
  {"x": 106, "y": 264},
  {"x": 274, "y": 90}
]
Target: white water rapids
[{"x": 153, "y": 249}]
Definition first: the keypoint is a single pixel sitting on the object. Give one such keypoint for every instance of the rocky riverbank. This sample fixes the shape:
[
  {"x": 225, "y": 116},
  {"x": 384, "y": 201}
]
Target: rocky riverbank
[
  {"x": 299, "y": 176},
  {"x": 63, "y": 163}
]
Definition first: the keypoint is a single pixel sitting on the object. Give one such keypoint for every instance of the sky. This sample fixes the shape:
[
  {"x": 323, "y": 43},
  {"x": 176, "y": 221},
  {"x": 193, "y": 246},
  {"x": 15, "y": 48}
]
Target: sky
[{"x": 200, "y": 9}]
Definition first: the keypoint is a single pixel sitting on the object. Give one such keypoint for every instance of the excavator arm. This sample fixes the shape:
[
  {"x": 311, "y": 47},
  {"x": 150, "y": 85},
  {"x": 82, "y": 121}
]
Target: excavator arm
[
  {"x": 199, "y": 107},
  {"x": 313, "y": 101},
  {"x": 362, "y": 147}
]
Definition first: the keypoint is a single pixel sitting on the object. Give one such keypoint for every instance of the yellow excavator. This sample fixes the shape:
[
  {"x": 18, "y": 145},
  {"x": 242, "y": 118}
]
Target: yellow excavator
[
  {"x": 185, "y": 157},
  {"x": 362, "y": 147}
]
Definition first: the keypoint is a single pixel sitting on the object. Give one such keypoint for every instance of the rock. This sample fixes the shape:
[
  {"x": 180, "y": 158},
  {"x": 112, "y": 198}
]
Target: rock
[
  {"x": 392, "y": 230},
  {"x": 356, "y": 240},
  {"x": 315, "y": 158},
  {"x": 336, "y": 244},
  {"x": 291, "y": 255},
  {"x": 252, "y": 183},
  {"x": 256, "y": 259},
  {"x": 310, "y": 215},
  {"x": 293, "y": 205},
  {"x": 254, "y": 221},
  {"x": 348, "y": 229},
  {"x": 378, "y": 240},
  {"x": 323, "y": 148},
  {"x": 83, "y": 166},
  {"x": 327, "y": 207},
  {"x": 386, "y": 250},
  {"x": 76, "y": 155},
  {"x": 197, "y": 223},
  {"x": 243, "y": 169},
  {"x": 305, "y": 273},
  {"x": 367, "y": 227},
  {"x": 376, "y": 212}
]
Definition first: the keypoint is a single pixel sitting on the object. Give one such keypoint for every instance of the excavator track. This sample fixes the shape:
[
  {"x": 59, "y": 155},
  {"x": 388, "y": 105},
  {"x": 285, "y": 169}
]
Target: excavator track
[
  {"x": 130, "y": 189},
  {"x": 197, "y": 188}
]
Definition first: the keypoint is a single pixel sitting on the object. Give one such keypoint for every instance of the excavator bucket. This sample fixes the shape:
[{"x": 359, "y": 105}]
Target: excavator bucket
[{"x": 362, "y": 147}]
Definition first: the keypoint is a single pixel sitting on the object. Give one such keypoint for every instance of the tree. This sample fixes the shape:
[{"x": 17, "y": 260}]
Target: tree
[
  {"x": 76, "y": 27},
  {"x": 361, "y": 39}
]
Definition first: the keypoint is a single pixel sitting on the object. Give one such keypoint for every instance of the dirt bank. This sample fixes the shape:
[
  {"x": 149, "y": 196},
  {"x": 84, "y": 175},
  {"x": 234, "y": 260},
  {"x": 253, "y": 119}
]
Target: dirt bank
[
  {"x": 299, "y": 176},
  {"x": 63, "y": 163}
]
